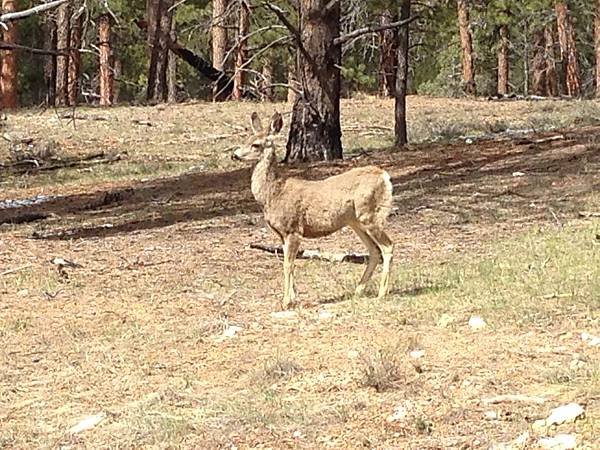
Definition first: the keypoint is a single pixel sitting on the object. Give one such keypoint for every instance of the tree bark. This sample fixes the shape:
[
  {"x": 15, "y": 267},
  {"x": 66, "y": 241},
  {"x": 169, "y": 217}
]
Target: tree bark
[
  {"x": 172, "y": 72},
  {"x": 292, "y": 79},
  {"x": 49, "y": 29},
  {"x": 239, "y": 79},
  {"x": 388, "y": 47},
  {"x": 219, "y": 42},
  {"x": 315, "y": 130},
  {"x": 266, "y": 88},
  {"x": 597, "y": 46},
  {"x": 106, "y": 75},
  {"x": 568, "y": 49},
  {"x": 117, "y": 73},
  {"x": 466, "y": 44},
  {"x": 159, "y": 26},
  {"x": 538, "y": 66},
  {"x": 551, "y": 75},
  {"x": 503, "y": 60},
  {"x": 400, "y": 91},
  {"x": 74, "y": 60},
  {"x": 9, "y": 67},
  {"x": 62, "y": 61}
]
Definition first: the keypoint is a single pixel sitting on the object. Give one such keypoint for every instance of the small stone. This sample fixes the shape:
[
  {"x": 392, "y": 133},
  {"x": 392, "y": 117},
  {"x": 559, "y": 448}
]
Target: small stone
[
  {"x": 518, "y": 174},
  {"x": 87, "y": 423},
  {"x": 325, "y": 315},
  {"x": 400, "y": 413},
  {"x": 353, "y": 354},
  {"x": 231, "y": 331},
  {"x": 417, "y": 354},
  {"x": 297, "y": 434},
  {"x": 558, "y": 442},
  {"x": 590, "y": 339},
  {"x": 477, "y": 323},
  {"x": 490, "y": 415},
  {"x": 284, "y": 314},
  {"x": 564, "y": 414},
  {"x": 468, "y": 141},
  {"x": 576, "y": 364},
  {"x": 445, "y": 320}
]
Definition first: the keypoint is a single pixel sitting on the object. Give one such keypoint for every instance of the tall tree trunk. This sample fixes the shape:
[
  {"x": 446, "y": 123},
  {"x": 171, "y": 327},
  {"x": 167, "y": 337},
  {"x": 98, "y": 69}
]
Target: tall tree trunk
[
  {"x": 538, "y": 82},
  {"x": 160, "y": 17},
  {"x": 49, "y": 30},
  {"x": 293, "y": 84},
  {"x": 503, "y": 60},
  {"x": 172, "y": 71},
  {"x": 401, "y": 136},
  {"x": 266, "y": 88},
  {"x": 9, "y": 68},
  {"x": 74, "y": 60},
  {"x": 388, "y": 47},
  {"x": 117, "y": 73},
  {"x": 551, "y": 76},
  {"x": 568, "y": 49},
  {"x": 239, "y": 79},
  {"x": 219, "y": 43},
  {"x": 597, "y": 46},
  {"x": 466, "y": 44},
  {"x": 63, "y": 39},
  {"x": 315, "y": 129},
  {"x": 525, "y": 57},
  {"x": 106, "y": 75}
]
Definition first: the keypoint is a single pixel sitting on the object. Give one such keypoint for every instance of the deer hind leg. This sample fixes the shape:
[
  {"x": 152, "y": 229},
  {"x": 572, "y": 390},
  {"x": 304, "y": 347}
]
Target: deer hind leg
[
  {"x": 291, "y": 244},
  {"x": 374, "y": 255},
  {"x": 387, "y": 247}
]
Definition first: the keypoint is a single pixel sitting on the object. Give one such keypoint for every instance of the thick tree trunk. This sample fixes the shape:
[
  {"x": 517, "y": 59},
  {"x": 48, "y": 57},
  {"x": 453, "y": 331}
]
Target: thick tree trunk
[
  {"x": 388, "y": 47},
  {"x": 568, "y": 49},
  {"x": 551, "y": 75},
  {"x": 63, "y": 39},
  {"x": 74, "y": 60},
  {"x": 239, "y": 79},
  {"x": 9, "y": 68},
  {"x": 266, "y": 82},
  {"x": 466, "y": 44},
  {"x": 159, "y": 26},
  {"x": 219, "y": 43},
  {"x": 49, "y": 29},
  {"x": 597, "y": 46},
  {"x": 106, "y": 75},
  {"x": 401, "y": 136},
  {"x": 503, "y": 60},
  {"x": 538, "y": 66},
  {"x": 315, "y": 131}
]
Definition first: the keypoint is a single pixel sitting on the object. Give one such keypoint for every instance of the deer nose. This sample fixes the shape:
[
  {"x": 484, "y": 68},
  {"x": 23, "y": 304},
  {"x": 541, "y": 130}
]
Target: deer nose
[{"x": 235, "y": 156}]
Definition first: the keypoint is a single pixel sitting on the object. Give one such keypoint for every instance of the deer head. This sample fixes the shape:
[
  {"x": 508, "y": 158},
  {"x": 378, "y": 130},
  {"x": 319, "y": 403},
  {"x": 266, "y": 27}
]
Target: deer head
[{"x": 261, "y": 140}]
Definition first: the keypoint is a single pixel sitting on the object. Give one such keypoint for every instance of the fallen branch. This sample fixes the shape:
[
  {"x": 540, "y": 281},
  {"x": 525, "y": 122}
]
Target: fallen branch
[
  {"x": 514, "y": 398},
  {"x": 525, "y": 141},
  {"x": 54, "y": 164},
  {"x": 316, "y": 254},
  {"x": 589, "y": 214},
  {"x": 16, "y": 269}
]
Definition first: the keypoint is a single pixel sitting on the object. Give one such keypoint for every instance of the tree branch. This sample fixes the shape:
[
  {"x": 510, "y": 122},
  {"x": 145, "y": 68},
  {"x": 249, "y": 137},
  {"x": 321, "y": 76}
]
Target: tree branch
[
  {"x": 280, "y": 13},
  {"x": 31, "y": 11},
  {"x": 372, "y": 29},
  {"x": 35, "y": 51}
]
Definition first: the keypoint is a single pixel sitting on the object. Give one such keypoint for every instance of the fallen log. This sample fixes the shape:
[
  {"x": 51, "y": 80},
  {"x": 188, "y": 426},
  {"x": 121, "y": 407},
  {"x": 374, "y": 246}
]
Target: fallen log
[{"x": 316, "y": 254}]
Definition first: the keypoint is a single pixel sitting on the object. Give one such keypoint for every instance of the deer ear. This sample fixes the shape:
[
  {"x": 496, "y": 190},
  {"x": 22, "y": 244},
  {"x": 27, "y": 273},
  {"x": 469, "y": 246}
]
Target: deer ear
[
  {"x": 256, "y": 123},
  {"x": 276, "y": 123}
]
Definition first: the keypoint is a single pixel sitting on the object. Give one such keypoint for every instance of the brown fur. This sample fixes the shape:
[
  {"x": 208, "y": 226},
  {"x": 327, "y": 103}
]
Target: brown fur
[{"x": 294, "y": 208}]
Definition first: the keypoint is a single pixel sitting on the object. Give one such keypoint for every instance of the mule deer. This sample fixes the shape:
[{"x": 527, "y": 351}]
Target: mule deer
[{"x": 294, "y": 208}]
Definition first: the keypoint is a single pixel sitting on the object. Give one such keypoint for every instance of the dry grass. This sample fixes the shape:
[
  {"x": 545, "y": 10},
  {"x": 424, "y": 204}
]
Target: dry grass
[{"x": 163, "y": 238}]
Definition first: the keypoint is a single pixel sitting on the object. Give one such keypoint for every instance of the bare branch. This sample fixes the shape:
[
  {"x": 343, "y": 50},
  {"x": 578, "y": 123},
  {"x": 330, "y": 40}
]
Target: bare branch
[
  {"x": 372, "y": 29},
  {"x": 36, "y": 51},
  {"x": 31, "y": 11},
  {"x": 280, "y": 13}
]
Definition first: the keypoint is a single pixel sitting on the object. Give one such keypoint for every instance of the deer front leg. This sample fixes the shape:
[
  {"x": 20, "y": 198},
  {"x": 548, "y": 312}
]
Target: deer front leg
[{"x": 290, "y": 250}]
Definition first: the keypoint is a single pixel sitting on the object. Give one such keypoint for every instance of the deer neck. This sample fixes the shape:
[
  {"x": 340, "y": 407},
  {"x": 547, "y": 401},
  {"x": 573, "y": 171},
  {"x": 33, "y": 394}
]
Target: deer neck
[{"x": 265, "y": 176}]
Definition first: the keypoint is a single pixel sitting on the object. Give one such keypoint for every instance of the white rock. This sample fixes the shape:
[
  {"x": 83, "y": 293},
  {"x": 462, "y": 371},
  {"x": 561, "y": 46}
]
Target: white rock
[
  {"x": 353, "y": 354},
  {"x": 590, "y": 339},
  {"x": 417, "y": 354},
  {"x": 231, "y": 331},
  {"x": 477, "y": 323},
  {"x": 518, "y": 174},
  {"x": 468, "y": 141},
  {"x": 284, "y": 314},
  {"x": 564, "y": 414},
  {"x": 558, "y": 442},
  {"x": 325, "y": 315},
  {"x": 87, "y": 423},
  {"x": 399, "y": 413},
  {"x": 490, "y": 415},
  {"x": 297, "y": 434}
]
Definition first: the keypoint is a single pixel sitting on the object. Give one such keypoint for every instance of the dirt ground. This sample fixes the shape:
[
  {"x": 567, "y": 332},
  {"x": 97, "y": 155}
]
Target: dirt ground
[{"x": 139, "y": 332}]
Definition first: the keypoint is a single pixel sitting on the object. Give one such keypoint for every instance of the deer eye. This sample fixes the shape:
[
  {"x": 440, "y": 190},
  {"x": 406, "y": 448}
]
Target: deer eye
[{"x": 255, "y": 145}]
